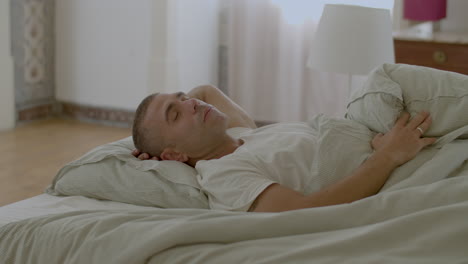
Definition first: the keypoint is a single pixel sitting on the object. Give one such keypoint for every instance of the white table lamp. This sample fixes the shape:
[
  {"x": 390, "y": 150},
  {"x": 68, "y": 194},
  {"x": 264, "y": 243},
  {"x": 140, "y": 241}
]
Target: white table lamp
[{"x": 352, "y": 40}]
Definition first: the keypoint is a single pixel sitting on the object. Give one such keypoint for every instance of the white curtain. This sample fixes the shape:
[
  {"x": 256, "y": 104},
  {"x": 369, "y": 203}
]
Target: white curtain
[{"x": 268, "y": 47}]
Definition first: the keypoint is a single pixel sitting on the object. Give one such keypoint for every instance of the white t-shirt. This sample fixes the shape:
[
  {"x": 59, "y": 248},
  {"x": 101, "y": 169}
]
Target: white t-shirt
[{"x": 279, "y": 153}]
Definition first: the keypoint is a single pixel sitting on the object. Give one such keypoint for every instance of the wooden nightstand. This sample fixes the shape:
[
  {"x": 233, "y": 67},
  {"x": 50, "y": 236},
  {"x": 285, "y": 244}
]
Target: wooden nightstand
[{"x": 443, "y": 51}]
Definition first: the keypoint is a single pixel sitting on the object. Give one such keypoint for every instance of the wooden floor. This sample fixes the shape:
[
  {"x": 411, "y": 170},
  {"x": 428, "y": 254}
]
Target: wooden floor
[{"x": 31, "y": 154}]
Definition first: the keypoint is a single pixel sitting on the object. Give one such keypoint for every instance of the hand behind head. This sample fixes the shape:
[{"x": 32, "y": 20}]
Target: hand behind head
[{"x": 143, "y": 156}]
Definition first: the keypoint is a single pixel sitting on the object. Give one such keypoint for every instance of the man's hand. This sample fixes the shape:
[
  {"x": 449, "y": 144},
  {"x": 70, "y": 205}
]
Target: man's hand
[
  {"x": 143, "y": 156},
  {"x": 209, "y": 94},
  {"x": 405, "y": 140}
]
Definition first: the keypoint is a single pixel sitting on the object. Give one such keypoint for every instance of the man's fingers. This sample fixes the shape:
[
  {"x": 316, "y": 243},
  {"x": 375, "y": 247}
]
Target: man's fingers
[
  {"x": 144, "y": 156},
  {"x": 418, "y": 120},
  {"x": 428, "y": 141},
  {"x": 403, "y": 119},
  {"x": 378, "y": 138},
  {"x": 426, "y": 124}
]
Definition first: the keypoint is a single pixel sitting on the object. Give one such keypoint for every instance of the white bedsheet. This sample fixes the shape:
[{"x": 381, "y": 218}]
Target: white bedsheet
[
  {"x": 424, "y": 224},
  {"x": 45, "y": 204}
]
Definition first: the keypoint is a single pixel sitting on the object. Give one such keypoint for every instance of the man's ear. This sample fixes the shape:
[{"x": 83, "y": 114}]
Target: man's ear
[{"x": 172, "y": 154}]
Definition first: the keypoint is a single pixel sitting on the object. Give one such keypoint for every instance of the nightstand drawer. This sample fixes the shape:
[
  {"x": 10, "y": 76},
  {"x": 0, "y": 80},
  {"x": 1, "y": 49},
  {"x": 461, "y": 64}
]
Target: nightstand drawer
[{"x": 449, "y": 57}]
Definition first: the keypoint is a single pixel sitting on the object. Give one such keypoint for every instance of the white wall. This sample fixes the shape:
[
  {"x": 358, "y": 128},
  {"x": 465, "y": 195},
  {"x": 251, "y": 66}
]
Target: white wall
[
  {"x": 112, "y": 53},
  {"x": 456, "y": 20},
  {"x": 102, "y": 50},
  {"x": 198, "y": 42},
  {"x": 7, "y": 101},
  {"x": 185, "y": 44}
]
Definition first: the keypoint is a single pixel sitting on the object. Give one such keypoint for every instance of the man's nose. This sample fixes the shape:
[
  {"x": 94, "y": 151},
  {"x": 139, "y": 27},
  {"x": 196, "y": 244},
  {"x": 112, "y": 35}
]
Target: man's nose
[{"x": 191, "y": 104}]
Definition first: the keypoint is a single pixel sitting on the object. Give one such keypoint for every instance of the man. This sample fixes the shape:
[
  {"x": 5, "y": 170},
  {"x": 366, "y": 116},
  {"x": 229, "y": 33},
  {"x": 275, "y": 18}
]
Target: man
[{"x": 240, "y": 174}]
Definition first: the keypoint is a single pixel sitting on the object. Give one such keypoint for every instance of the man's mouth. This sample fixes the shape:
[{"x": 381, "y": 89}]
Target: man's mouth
[{"x": 206, "y": 113}]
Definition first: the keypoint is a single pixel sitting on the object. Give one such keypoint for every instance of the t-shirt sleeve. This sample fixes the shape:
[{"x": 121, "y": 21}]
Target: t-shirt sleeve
[{"x": 231, "y": 183}]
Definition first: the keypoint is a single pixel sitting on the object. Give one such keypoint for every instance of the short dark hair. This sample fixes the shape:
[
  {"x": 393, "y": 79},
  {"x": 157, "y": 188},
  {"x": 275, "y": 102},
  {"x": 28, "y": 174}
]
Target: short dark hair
[{"x": 141, "y": 139}]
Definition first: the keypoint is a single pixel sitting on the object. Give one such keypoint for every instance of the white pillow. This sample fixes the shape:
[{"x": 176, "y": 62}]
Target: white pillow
[
  {"x": 111, "y": 172},
  {"x": 392, "y": 88}
]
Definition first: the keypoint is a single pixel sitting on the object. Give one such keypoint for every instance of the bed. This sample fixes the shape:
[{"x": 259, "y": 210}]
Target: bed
[{"x": 93, "y": 212}]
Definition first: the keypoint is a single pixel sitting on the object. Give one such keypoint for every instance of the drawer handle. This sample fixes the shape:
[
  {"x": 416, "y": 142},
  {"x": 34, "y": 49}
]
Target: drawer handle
[{"x": 439, "y": 56}]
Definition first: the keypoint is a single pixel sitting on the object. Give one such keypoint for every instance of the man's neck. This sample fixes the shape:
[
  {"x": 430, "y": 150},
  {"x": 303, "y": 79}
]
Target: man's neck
[{"x": 226, "y": 147}]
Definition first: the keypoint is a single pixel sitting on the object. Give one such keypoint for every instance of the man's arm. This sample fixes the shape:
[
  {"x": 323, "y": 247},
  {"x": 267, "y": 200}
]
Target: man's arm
[
  {"x": 365, "y": 182},
  {"x": 238, "y": 117},
  {"x": 393, "y": 149}
]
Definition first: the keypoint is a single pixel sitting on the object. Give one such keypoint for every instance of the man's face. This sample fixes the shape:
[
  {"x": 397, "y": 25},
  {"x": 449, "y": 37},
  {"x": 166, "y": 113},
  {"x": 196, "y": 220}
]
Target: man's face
[{"x": 189, "y": 124}]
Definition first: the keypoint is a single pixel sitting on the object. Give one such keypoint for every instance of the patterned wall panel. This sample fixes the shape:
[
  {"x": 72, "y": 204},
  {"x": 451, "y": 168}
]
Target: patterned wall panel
[
  {"x": 34, "y": 42},
  {"x": 33, "y": 51}
]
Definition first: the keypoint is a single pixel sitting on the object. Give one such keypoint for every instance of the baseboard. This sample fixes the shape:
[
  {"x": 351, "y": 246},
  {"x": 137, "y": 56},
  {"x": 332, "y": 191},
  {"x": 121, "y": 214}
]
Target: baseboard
[
  {"x": 36, "y": 112},
  {"x": 92, "y": 114},
  {"x": 101, "y": 115}
]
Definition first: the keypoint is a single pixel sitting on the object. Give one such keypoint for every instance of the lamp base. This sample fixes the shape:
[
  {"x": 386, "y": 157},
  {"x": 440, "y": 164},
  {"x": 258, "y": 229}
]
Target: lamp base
[
  {"x": 350, "y": 85},
  {"x": 424, "y": 29},
  {"x": 355, "y": 83}
]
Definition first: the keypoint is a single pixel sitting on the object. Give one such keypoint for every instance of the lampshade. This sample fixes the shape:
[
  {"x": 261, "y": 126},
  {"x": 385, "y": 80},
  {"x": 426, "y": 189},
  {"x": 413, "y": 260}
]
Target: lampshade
[
  {"x": 352, "y": 39},
  {"x": 425, "y": 10}
]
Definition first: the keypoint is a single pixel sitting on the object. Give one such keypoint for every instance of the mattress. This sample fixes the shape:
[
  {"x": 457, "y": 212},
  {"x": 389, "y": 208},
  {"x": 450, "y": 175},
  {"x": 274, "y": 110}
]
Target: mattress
[{"x": 45, "y": 204}]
